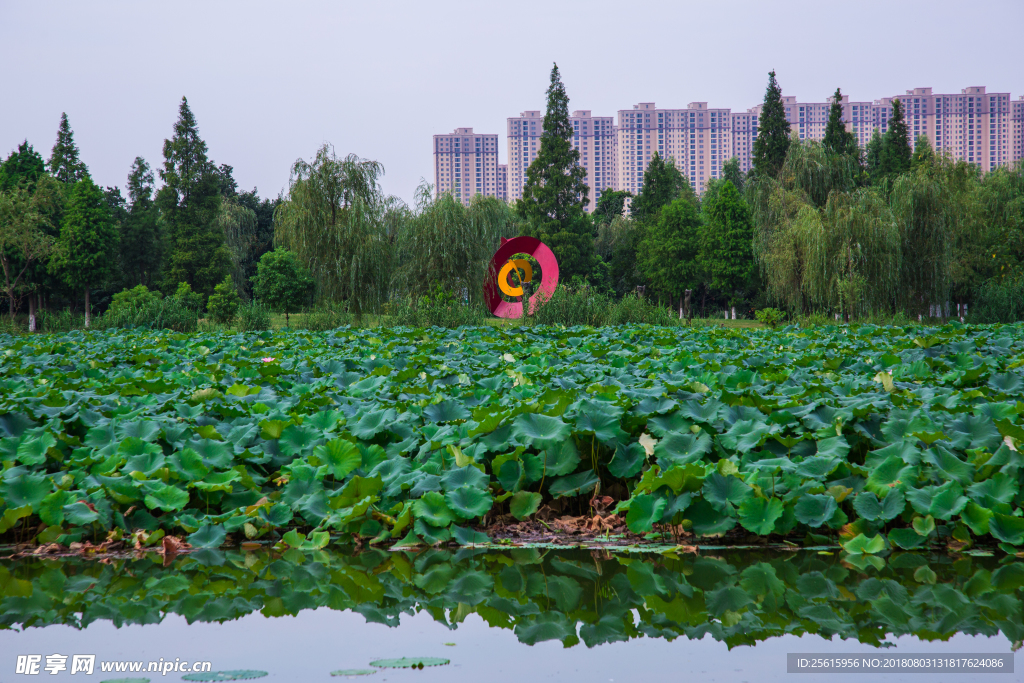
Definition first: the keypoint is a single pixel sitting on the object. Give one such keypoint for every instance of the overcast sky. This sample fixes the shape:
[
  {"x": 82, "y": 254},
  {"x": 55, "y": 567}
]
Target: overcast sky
[{"x": 271, "y": 81}]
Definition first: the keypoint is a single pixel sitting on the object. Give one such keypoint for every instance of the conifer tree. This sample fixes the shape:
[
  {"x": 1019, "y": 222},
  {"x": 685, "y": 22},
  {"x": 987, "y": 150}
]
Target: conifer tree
[
  {"x": 731, "y": 172},
  {"x": 189, "y": 202},
  {"x": 64, "y": 163},
  {"x": 896, "y": 153},
  {"x": 555, "y": 193},
  {"x": 24, "y": 165},
  {"x": 663, "y": 184},
  {"x": 141, "y": 245},
  {"x": 838, "y": 140},
  {"x": 88, "y": 240},
  {"x": 669, "y": 252},
  {"x": 873, "y": 156},
  {"x": 772, "y": 141}
]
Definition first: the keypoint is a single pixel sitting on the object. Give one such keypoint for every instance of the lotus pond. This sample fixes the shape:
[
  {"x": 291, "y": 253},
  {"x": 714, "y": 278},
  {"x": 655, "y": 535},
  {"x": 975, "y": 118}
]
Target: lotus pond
[{"x": 874, "y": 438}]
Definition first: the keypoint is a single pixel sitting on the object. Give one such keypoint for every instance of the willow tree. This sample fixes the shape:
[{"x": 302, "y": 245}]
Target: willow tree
[
  {"x": 241, "y": 237},
  {"x": 336, "y": 218},
  {"x": 444, "y": 243}
]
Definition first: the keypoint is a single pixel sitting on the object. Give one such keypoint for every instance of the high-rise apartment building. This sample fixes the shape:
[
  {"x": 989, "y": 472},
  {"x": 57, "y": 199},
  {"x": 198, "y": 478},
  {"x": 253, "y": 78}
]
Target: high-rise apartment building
[
  {"x": 466, "y": 164},
  {"x": 593, "y": 138},
  {"x": 981, "y": 128}
]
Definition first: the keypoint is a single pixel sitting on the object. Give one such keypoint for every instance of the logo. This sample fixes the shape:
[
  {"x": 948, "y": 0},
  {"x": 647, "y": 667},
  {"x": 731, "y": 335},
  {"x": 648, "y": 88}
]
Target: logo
[{"x": 502, "y": 265}]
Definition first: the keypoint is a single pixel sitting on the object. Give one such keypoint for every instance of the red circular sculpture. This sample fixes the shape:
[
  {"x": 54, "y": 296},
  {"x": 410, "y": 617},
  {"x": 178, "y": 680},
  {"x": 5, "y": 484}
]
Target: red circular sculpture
[{"x": 501, "y": 266}]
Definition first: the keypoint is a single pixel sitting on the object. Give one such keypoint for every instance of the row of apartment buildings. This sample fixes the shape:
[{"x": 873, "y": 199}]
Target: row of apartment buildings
[{"x": 985, "y": 129}]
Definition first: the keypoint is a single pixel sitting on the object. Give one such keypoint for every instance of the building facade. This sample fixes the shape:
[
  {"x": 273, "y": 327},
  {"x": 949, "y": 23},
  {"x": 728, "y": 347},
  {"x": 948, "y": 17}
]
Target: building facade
[
  {"x": 981, "y": 128},
  {"x": 466, "y": 164}
]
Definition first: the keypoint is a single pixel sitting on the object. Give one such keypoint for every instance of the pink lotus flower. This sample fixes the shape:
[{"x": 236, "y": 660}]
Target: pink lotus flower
[{"x": 268, "y": 359}]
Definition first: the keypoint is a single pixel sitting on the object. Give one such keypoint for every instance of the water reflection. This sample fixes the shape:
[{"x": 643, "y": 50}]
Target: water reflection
[{"x": 575, "y": 597}]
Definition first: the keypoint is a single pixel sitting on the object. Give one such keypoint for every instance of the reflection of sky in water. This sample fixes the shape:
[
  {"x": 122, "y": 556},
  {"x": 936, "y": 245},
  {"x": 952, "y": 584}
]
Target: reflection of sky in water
[{"x": 309, "y": 646}]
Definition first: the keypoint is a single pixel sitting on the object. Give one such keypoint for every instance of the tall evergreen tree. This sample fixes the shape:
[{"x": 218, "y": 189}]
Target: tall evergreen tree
[
  {"x": 896, "y": 152},
  {"x": 924, "y": 155},
  {"x": 24, "y": 165},
  {"x": 838, "y": 140},
  {"x": 64, "y": 163},
  {"x": 873, "y": 156},
  {"x": 726, "y": 243},
  {"x": 610, "y": 204},
  {"x": 189, "y": 202},
  {"x": 555, "y": 193},
  {"x": 88, "y": 240},
  {"x": 731, "y": 172},
  {"x": 141, "y": 243},
  {"x": 663, "y": 184},
  {"x": 772, "y": 141}
]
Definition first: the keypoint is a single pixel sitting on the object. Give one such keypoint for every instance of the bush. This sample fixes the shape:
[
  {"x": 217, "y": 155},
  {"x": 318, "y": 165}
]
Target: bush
[
  {"x": 137, "y": 297},
  {"x": 571, "y": 306},
  {"x": 283, "y": 282},
  {"x": 188, "y": 298},
  {"x": 997, "y": 302},
  {"x": 441, "y": 308},
  {"x": 253, "y": 317},
  {"x": 170, "y": 314},
  {"x": 60, "y": 321},
  {"x": 770, "y": 316},
  {"x": 326, "y": 316},
  {"x": 633, "y": 308},
  {"x": 223, "y": 303}
]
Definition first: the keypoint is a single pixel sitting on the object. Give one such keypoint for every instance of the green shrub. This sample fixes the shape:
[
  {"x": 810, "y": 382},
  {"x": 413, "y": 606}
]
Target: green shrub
[
  {"x": 169, "y": 314},
  {"x": 283, "y": 282},
  {"x": 571, "y": 306},
  {"x": 633, "y": 308},
  {"x": 139, "y": 296},
  {"x": 997, "y": 302},
  {"x": 223, "y": 303},
  {"x": 770, "y": 316},
  {"x": 441, "y": 308},
  {"x": 60, "y": 321},
  {"x": 253, "y": 317},
  {"x": 188, "y": 298},
  {"x": 326, "y": 316}
]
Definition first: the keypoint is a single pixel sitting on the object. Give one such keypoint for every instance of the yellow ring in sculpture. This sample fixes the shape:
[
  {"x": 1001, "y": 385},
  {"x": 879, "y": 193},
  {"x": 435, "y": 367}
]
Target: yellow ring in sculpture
[{"x": 526, "y": 275}]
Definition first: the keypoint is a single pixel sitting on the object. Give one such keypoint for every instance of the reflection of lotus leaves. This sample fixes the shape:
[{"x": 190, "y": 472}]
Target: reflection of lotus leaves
[{"x": 501, "y": 267}]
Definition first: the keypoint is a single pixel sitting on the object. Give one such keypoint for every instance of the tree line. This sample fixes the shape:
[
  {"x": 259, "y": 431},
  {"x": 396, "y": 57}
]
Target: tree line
[{"x": 815, "y": 228}]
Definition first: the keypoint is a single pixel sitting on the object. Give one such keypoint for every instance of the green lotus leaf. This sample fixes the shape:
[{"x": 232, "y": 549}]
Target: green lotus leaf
[
  {"x": 372, "y": 424},
  {"x": 25, "y": 489},
  {"x": 32, "y": 451},
  {"x": 574, "y": 484},
  {"x": 165, "y": 497},
  {"x": 465, "y": 536},
  {"x": 724, "y": 492},
  {"x": 446, "y": 411},
  {"x": 188, "y": 464},
  {"x": 215, "y": 454},
  {"x": 908, "y": 539},
  {"x": 524, "y": 503},
  {"x": 974, "y": 431},
  {"x": 999, "y": 488},
  {"x": 341, "y": 455},
  {"x": 208, "y": 536},
  {"x": 644, "y": 511},
  {"x": 977, "y": 518},
  {"x": 561, "y": 458},
  {"x": 1007, "y": 528},
  {"x": 862, "y": 545},
  {"x": 409, "y": 662},
  {"x": 833, "y": 447},
  {"x": 11, "y": 516},
  {"x": 468, "y": 502},
  {"x": 948, "y": 501},
  {"x": 708, "y": 521},
  {"x": 745, "y": 435},
  {"x": 511, "y": 475},
  {"x": 758, "y": 515},
  {"x": 815, "y": 509},
  {"x": 433, "y": 509},
  {"x": 868, "y": 506},
  {"x": 298, "y": 439},
  {"x": 682, "y": 449},
  {"x": 354, "y": 672},
  {"x": 464, "y": 476},
  {"x": 51, "y": 510},
  {"x": 627, "y": 461},
  {"x": 663, "y": 425},
  {"x": 761, "y": 579},
  {"x": 126, "y": 680},
  {"x": 325, "y": 420},
  {"x": 891, "y": 472},
  {"x": 80, "y": 514},
  {"x": 540, "y": 431},
  {"x": 817, "y": 467},
  {"x": 950, "y": 466}
]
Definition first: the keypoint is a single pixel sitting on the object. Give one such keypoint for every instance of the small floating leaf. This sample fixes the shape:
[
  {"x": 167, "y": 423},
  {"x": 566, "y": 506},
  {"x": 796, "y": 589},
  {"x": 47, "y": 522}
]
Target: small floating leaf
[
  {"x": 353, "y": 672},
  {"x": 409, "y": 662}
]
